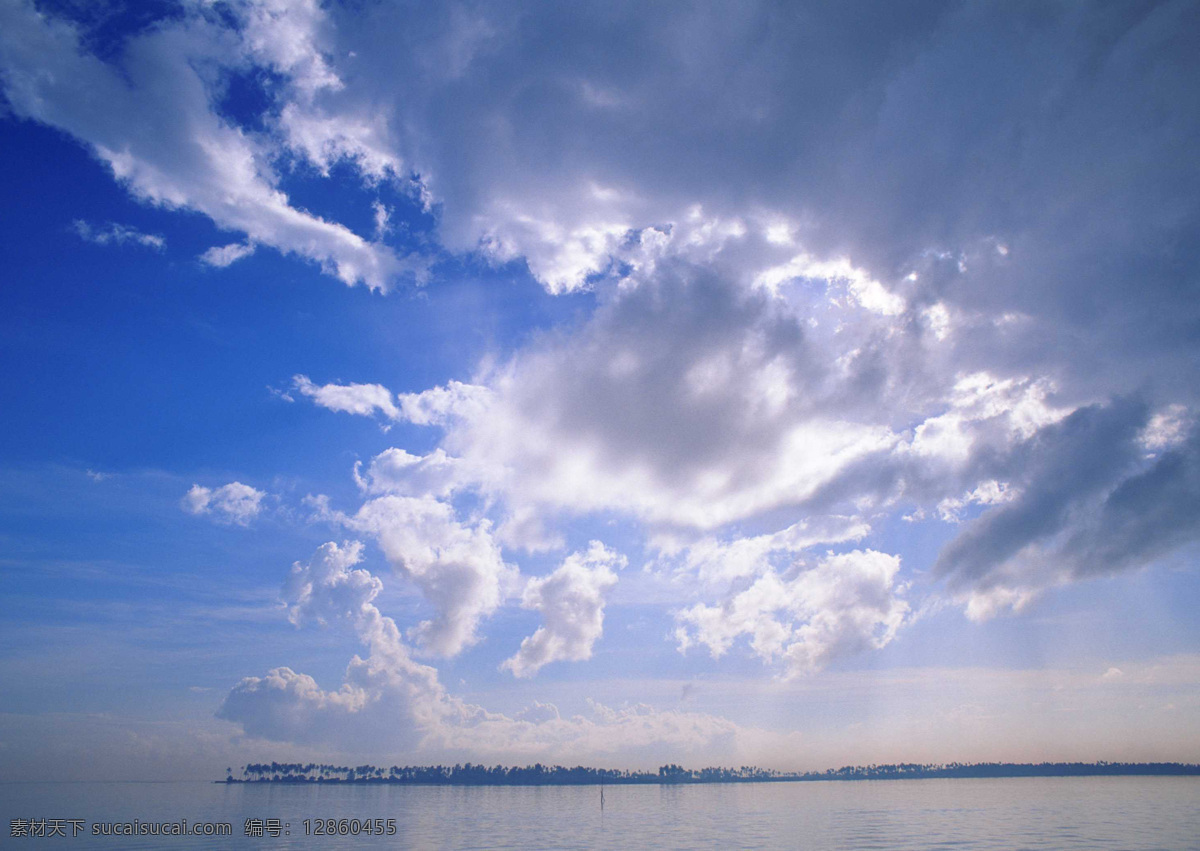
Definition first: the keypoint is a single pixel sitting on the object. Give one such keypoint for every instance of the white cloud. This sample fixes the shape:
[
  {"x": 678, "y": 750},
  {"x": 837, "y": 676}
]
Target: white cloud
[
  {"x": 923, "y": 193},
  {"x": 684, "y": 401},
  {"x": 571, "y": 601},
  {"x": 441, "y": 405},
  {"x": 115, "y": 234},
  {"x": 326, "y": 590},
  {"x": 713, "y": 562},
  {"x": 436, "y": 406},
  {"x": 990, "y": 492},
  {"x": 361, "y": 399},
  {"x": 865, "y": 290},
  {"x": 388, "y": 686},
  {"x": 159, "y": 135},
  {"x": 232, "y": 503},
  {"x": 1167, "y": 429},
  {"x": 396, "y": 471},
  {"x": 457, "y": 566},
  {"x": 692, "y": 403},
  {"x": 839, "y": 607},
  {"x": 221, "y": 256},
  {"x": 398, "y": 704},
  {"x": 951, "y": 296},
  {"x": 383, "y": 219},
  {"x": 984, "y": 409}
]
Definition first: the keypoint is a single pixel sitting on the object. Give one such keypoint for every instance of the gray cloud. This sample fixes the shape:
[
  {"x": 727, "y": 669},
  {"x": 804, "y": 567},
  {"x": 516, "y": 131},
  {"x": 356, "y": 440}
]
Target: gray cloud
[
  {"x": 1146, "y": 516},
  {"x": 1060, "y": 133},
  {"x": 1088, "y": 502}
]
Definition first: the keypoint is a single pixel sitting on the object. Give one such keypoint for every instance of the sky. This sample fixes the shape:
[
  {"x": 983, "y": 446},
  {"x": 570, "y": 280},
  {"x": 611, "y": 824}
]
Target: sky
[{"x": 790, "y": 384}]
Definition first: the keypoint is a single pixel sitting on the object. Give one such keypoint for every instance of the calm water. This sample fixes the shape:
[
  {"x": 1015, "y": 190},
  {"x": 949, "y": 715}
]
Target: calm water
[{"x": 1067, "y": 813}]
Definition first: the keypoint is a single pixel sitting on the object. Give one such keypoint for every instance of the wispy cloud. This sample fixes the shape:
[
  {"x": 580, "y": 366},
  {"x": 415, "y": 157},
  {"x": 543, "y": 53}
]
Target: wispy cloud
[
  {"x": 221, "y": 256},
  {"x": 116, "y": 234}
]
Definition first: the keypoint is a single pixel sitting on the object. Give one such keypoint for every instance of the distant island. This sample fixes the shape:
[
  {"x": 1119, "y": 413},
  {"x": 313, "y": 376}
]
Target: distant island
[{"x": 468, "y": 774}]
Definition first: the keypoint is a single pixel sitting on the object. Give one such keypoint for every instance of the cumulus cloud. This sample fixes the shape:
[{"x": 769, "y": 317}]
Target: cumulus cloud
[
  {"x": 685, "y": 401},
  {"x": 571, "y": 601},
  {"x": 457, "y": 565},
  {"x": 326, "y": 589},
  {"x": 232, "y": 503},
  {"x": 116, "y": 234},
  {"x": 846, "y": 136},
  {"x": 396, "y": 471},
  {"x": 221, "y": 256},
  {"x": 441, "y": 405},
  {"x": 990, "y": 492},
  {"x": 841, "y": 606},
  {"x": 692, "y": 403},
  {"x": 397, "y": 704},
  {"x": 285, "y": 705}
]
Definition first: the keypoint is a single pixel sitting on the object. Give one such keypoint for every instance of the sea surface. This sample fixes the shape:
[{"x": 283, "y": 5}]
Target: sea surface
[{"x": 1017, "y": 813}]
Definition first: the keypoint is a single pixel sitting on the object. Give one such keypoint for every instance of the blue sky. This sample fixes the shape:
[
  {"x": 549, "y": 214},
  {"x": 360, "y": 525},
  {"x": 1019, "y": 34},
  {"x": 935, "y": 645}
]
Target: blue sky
[{"x": 790, "y": 384}]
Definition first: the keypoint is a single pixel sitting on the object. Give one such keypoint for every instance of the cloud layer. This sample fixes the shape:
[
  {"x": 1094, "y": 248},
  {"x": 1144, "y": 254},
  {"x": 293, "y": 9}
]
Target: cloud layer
[{"x": 847, "y": 264}]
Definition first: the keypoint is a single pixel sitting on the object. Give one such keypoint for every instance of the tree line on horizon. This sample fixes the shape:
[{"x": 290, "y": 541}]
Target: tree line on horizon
[{"x": 469, "y": 774}]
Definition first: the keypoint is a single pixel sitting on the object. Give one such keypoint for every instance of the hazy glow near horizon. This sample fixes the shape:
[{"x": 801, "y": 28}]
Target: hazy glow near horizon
[{"x": 762, "y": 383}]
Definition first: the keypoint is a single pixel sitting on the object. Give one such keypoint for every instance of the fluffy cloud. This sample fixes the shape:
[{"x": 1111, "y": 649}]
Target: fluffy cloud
[
  {"x": 399, "y": 472},
  {"x": 115, "y": 234},
  {"x": 435, "y": 406},
  {"x": 571, "y": 600},
  {"x": 361, "y": 399},
  {"x": 846, "y": 135},
  {"x": 289, "y": 706},
  {"x": 685, "y": 401},
  {"x": 326, "y": 590},
  {"x": 457, "y": 566},
  {"x": 398, "y": 704},
  {"x": 692, "y": 404},
  {"x": 839, "y": 607},
  {"x": 231, "y": 503}
]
